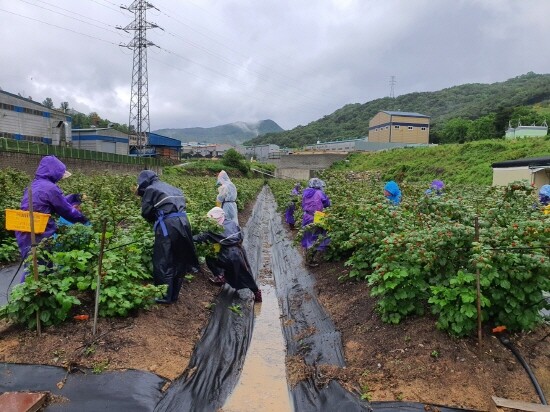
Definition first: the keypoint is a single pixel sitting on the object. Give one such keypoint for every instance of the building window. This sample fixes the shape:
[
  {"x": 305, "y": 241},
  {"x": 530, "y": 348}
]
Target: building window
[
  {"x": 422, "y": 128},
  {"x": 410, "y": 127},
  {"x": 396, "y": 127},
  {"x": 387, "y": 127}
]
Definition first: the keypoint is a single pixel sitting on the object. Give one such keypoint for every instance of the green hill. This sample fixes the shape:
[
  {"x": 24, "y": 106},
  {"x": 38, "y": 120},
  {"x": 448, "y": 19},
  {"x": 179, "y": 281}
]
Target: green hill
[
  {"x": 469, "y": 101},
  {"x": 468, "y": 163}
]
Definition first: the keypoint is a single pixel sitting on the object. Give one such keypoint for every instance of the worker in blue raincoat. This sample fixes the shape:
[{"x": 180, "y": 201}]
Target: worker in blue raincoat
[
  {"x": 392, "y": 192},
  {"x": 174, "y": 252}
]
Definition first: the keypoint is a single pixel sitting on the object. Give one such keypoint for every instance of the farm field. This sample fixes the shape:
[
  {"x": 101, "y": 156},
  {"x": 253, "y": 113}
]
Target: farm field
[{"x": 398, "y": 282}]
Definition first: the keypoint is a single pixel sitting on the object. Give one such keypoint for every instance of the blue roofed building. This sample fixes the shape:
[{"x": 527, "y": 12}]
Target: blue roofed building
[{"x": 161, "y": 146}]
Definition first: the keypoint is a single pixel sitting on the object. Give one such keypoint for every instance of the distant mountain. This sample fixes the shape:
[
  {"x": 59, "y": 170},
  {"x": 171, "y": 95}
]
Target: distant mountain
[
  {"x": 233, "y": 133},
  {"x": 469, "y": 101}
]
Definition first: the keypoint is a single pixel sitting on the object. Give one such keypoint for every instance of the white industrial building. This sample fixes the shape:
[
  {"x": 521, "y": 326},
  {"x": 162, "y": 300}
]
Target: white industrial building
[
  {"x": 24, "y": 119},
  {"x": 106, "y": 140}
]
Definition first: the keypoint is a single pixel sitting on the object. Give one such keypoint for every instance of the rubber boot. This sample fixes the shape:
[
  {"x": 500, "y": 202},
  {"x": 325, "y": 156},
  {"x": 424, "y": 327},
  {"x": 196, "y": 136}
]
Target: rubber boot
[
  {"x": 178, "y": 282},
  {"x": 167, "y": 299}
]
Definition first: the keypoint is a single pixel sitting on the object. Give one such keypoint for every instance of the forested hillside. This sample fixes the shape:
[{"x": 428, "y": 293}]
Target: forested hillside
[
  {"x": 468, "y": 163},
  {"x": 483, "y": 110}
]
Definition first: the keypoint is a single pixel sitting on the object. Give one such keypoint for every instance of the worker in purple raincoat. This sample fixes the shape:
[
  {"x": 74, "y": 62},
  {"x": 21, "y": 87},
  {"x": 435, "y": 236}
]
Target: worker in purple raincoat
[
  {"x": 291, "y": 207},
  {"x": 47, "y": 197},
  {"x": 314, "y": 199}
]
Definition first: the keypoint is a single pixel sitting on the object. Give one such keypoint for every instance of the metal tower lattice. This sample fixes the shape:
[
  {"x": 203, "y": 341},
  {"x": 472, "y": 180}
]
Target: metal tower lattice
[
  {"x": 392, "y": 85},
  {"x": 139, "y": 100}
]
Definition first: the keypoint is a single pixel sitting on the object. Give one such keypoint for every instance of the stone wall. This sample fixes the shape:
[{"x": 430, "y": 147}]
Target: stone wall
[{"x": 29, "y": 162}]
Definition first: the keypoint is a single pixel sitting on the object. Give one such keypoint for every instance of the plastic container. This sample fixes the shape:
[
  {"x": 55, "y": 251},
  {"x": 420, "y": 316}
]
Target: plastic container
[
  {"x": 20, "y": 220},
  {"x": 318, "y": 217}
]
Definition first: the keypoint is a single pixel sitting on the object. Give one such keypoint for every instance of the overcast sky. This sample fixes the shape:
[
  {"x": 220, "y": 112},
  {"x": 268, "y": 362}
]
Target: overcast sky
[{"x": 292, "y": 61}]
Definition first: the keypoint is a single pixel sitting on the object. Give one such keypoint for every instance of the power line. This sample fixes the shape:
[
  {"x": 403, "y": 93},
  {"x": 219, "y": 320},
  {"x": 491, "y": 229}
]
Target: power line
[
  {"x": 252, "y": 96},
  {"x": 72, "y": 17},
  {"x": 110, "y": 8},
  {"x": 269, "y": 68},
  {"x": 264, "y": 90},
  {"x": 59, "y": 27}
]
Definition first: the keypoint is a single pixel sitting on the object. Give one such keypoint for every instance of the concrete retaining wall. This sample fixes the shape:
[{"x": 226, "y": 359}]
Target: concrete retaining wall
[{"x": 304, "y": 166}]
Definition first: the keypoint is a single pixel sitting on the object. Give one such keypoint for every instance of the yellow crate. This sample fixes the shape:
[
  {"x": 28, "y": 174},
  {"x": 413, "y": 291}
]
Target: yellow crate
[
  {"x": 318, "y": 217},
  {"x": 20, "y": 220}
]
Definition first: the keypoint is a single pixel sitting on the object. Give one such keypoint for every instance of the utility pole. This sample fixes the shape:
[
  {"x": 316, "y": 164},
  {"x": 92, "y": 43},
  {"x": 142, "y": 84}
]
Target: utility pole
[
  {"x": 139, "y": 100},
  {"x": 393, "y": 82}
]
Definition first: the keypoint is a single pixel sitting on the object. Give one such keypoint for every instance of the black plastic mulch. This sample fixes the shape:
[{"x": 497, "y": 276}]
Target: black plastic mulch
[
  {"x": 311, "y": 334},
  {"x": 205, "y": 384},
  {"x": 83, "y": 390},
  {"x": 217, "y": 360}
]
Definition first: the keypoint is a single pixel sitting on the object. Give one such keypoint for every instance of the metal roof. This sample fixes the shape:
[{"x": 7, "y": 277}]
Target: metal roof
[
  {"x": 33, "y": 102},
  {"x": 406, "y": 114},
  {"x": 160, "y": 140},
  {"x": 530, "y": 162}
]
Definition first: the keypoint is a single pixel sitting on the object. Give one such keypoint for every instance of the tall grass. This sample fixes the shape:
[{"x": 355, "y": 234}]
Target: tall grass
[{"x": 468, "y": 163}]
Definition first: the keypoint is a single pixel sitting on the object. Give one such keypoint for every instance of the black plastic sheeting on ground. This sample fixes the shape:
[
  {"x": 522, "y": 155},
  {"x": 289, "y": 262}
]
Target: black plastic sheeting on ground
[
  {"x": 206, "y": 383},
  {"x": 302, "y": 314},
  {"x": 8, "y": 279},
  {"x": 83, "y": 390},
  {"x": 217, "y": 361}
]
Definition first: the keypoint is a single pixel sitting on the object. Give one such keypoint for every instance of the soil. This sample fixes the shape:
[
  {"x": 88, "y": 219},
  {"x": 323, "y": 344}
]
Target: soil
[
  {"x": 160, "y": 339},
  {"x": 412, "y": 361}
]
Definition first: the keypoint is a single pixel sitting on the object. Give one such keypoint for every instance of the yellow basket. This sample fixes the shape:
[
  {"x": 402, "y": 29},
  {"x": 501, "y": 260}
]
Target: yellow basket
[
  {"x": 318, "y": 217},
  {"x": 20, "y": 220}
]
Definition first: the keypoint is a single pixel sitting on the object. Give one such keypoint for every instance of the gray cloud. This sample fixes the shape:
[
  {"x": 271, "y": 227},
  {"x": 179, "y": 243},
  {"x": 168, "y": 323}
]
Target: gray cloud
[{"x": 294, "y": 61}]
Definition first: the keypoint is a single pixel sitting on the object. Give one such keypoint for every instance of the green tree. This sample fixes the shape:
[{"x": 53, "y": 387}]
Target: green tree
[
  {"x": 483, "y": 128},
  {"x": 48, "y": 102},
  {"x": 232, "y": 158},
  {"x": 64, "y": 106},
  {"x": 456, "y": 130}
]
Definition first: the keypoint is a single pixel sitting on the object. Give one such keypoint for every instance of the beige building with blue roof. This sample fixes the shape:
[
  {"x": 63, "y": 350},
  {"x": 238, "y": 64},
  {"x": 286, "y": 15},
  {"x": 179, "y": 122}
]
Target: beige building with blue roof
[{"x": 399, "y": 127}]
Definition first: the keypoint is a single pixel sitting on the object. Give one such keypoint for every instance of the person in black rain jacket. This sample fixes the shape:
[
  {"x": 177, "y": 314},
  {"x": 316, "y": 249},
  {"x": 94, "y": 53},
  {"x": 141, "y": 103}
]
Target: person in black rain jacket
[
  {"x": 174, "y": 252},
  {"x": 231, "y": 261}
]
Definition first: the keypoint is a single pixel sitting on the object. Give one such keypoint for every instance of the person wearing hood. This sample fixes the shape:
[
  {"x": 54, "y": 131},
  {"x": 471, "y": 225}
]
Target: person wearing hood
[
  {"x": 437, "y": 188},
  {"x": 314, "y": 200},
  {"x": 544, "y": 198},
  {"x": 392, "y": 192},
  {"x": 174, "y": 252},
  {"x": 289, "y": 212},
  {"x": 227, "y": 197},
  {"x": 47, "y": 197},
  {"x": 230, "y": 263}
]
